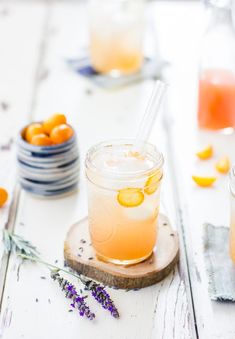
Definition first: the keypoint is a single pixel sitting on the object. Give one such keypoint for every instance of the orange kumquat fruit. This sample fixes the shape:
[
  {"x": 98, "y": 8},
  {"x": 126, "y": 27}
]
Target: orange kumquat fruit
[
  {"x": 55, "y": 120},
  {"x": 61, "y": 133},
  {"x": 223, "y": 165},
  {"x": 204, "y": 181},
  {"x": 3, "y": 196},
  {"x": 153, "y": 183},
  {"x": 205, "y": 153},
  {"x": 32, "y": 130},
  {"x": 41, "y": 140},
  {"x": 130, "y": 197}
]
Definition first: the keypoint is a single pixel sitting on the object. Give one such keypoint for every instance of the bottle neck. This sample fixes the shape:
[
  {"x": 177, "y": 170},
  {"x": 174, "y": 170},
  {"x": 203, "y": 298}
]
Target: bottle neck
[
  {"x": 218, "y": 47},
  {"x": 220, "y": 16}
]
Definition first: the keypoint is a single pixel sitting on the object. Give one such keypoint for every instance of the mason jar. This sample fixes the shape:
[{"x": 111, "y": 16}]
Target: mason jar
[
  {"x": 116, "y": 29},
  {"x": 123, "y": 200}
]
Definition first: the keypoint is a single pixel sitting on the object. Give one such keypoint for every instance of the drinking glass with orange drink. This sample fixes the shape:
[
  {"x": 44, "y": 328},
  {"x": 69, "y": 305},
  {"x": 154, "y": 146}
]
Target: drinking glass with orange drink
[
  {"x": 123, "y": 200},
  {"x": 216, "y": 106},
  {"x": 124, "y": 179},
  {"x": 116, "y": 35}
]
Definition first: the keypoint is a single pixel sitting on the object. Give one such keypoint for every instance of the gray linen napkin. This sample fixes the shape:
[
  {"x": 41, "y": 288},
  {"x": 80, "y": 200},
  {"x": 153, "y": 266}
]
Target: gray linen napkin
[{"x": 219, "y": 266}]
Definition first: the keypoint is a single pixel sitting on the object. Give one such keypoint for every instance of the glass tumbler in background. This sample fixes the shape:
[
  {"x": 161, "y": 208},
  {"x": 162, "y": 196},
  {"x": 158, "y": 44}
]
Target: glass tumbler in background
[
  {"x": 123, "y": 200},
  {"x": 116, "y": 29},
  {"x": 232, "y": 215}
]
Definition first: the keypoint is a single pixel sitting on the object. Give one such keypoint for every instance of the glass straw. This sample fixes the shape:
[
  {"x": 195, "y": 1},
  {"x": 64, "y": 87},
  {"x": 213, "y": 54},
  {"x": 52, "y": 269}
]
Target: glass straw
[{"x": 152, "y": 110}]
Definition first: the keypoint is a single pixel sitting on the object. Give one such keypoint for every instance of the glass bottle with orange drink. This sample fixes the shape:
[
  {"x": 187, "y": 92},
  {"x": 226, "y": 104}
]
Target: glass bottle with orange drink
[{"x": 216, "y": 99}]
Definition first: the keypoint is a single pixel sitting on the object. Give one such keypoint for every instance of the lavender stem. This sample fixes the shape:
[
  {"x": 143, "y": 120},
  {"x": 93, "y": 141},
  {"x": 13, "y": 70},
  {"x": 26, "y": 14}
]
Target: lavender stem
[{"x": 51, "y": 266}]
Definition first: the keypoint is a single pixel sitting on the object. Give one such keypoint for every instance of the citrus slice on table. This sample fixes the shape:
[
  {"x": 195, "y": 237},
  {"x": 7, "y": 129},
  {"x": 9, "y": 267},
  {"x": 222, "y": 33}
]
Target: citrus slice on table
[
  {"x": 204, "y": 181},
  {"x": 130, "y": 197},
  {"x": 153, "y": 183},
  {"x": 3, "y": 196},
  {"x": 205, "y": 153},
  {"x": 223, "y": 165}
]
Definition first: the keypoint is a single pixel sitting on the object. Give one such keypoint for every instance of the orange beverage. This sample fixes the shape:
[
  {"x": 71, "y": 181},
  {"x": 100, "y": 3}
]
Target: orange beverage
[
  {"x": 116, "y": 35},
  {"x": 115, "y": 53},
  {"x": 216, "y": 109},
  {"x": 123, "y": 200}
]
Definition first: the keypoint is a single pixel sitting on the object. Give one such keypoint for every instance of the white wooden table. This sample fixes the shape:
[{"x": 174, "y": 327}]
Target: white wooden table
[{"x": 35, "y": 38}]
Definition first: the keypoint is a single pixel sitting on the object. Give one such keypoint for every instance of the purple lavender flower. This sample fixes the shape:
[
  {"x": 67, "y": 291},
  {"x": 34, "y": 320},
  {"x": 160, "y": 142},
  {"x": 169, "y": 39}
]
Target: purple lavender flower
[
  {"x": 71, "y": 293},
  {"x": 102, "y": 297}
]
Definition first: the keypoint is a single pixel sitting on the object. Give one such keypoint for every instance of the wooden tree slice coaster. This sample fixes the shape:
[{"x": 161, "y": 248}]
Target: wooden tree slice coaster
[{"x": 80, "y": 255}]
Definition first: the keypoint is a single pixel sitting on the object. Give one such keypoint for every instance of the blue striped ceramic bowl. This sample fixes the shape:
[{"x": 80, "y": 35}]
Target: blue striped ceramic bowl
[{"x": 48, "y": 170}]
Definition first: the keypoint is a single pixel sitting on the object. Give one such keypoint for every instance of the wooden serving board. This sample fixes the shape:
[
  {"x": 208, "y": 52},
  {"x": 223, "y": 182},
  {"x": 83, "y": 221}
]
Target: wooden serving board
[{"x": 80, "y": 256}]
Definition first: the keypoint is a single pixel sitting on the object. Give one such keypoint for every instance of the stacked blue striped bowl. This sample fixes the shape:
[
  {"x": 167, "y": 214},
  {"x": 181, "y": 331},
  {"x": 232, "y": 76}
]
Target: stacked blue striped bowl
[{"x": 48, "y": 170}]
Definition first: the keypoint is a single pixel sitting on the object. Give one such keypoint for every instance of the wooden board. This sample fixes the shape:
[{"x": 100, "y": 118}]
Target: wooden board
[{"x": 80, "y": 255}]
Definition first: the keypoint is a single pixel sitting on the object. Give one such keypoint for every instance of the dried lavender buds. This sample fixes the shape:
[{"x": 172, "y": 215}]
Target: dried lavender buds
[
  {"x": 102, "y": 297},
  {"x": 78, "y": 301}
]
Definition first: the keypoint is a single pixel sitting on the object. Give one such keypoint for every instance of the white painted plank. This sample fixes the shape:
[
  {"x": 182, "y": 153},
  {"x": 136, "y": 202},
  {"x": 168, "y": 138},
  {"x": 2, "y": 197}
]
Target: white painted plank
[
  {"x": 20, "y": 33},
  {"x": 214, "y": 319},
  {"x": 154, "y": 312},
  {"x": 159, "y": 311}
]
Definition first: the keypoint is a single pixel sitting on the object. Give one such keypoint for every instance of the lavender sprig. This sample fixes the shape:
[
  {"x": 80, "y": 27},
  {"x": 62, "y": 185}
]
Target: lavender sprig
[
  {"x": 102, "y": 297},
  {"x": 25, "y": 250},
  {"x": 17, "y": 244},
  {"x": 71, "y": 293}
]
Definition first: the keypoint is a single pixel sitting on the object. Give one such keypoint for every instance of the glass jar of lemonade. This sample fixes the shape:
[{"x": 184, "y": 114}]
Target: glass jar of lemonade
[
  {"x": 116, "y": 35},
  {"x": 232, "y": 215},
  {"x": 123, "y": 200}
]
